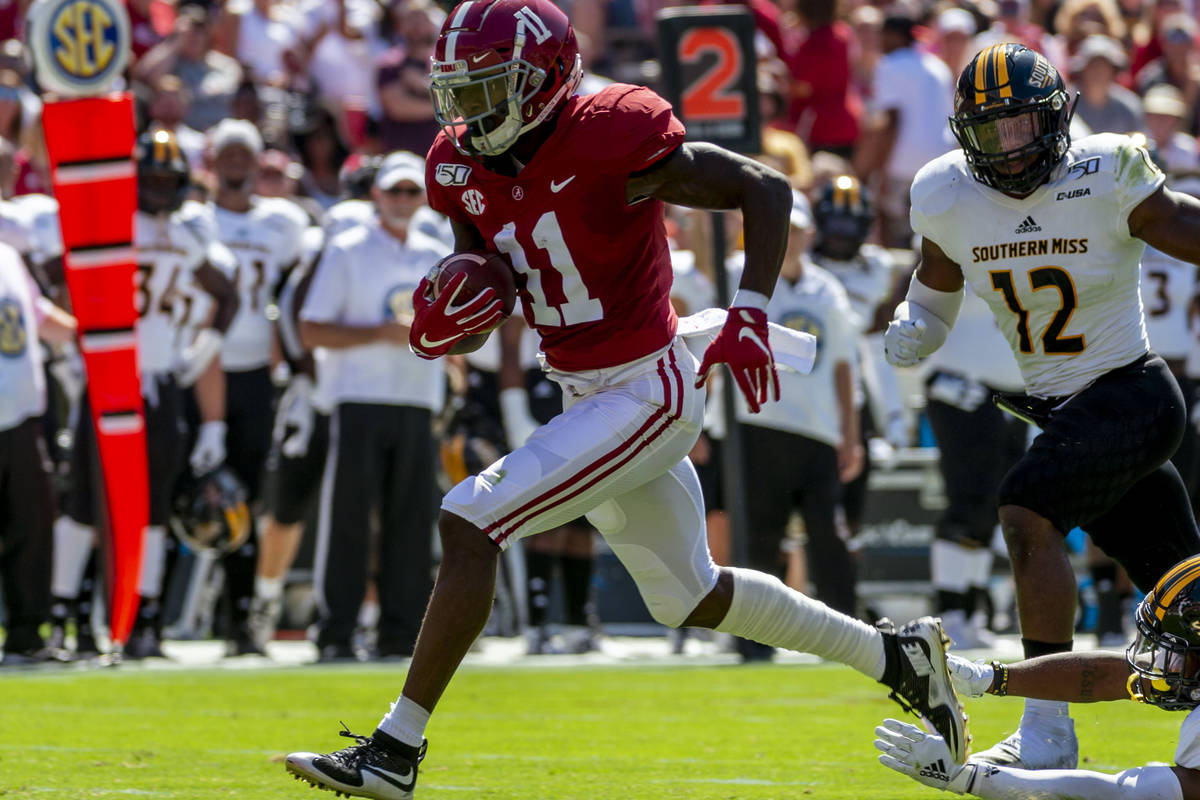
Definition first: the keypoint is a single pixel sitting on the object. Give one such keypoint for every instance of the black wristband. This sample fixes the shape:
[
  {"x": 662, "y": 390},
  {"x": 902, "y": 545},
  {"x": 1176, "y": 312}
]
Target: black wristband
[{"x": 999, "y": 685}]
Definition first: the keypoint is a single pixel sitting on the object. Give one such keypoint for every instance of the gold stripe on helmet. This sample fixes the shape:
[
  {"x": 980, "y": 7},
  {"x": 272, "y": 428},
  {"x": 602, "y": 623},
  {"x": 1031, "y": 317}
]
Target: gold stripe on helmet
[
  {"x": 981, "y": 77},
  {"x": 1002, "y": 71},
  {"x": 1171, "y": 584}
]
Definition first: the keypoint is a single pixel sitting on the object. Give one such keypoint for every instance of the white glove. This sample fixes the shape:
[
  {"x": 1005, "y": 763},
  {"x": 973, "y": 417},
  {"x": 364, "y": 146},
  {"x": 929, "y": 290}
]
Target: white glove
[
  {"x": 198, "y": 355},
  {"x": 519, "y": 424},
  {"x": 209, "y": 452},
  {"x": 902, "y": 341},
  {"x": 972, "y": 678},
  {"x": 921, "y": 756},
  {"x": 297, "y": 414}
]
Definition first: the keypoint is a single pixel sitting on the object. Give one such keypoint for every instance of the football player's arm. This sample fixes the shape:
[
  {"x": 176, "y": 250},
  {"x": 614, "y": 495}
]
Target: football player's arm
[
  {"x": 1169, "y": 221},
  {"x": 702, "y": 175},
  {"x": 850, "y": 450},
  {"x": 223, "y": 293},
  {"x": 922, "y": 322}
]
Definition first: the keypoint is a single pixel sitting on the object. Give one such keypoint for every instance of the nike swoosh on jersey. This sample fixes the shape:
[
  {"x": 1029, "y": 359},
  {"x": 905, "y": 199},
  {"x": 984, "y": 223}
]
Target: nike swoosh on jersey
[
  {"x": 425, "y": 341},
  {"x": 404, "y": 782},
  {"x": 558, "y": 187}
]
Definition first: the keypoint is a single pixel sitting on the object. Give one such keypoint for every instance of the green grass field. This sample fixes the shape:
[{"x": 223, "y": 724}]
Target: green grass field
[{"x": 701, "y": 733}]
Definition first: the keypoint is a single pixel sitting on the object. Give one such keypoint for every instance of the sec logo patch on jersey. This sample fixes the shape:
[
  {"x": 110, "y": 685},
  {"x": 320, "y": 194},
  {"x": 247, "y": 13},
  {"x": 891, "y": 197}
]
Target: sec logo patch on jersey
[
  {"x": 79, "y": 46},
  {"x": 472, "y": 200}
]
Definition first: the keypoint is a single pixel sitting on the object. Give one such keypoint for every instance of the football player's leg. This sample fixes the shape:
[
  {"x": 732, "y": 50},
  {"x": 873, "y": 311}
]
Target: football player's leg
[
  {"x": 830, "y": 564},
  {"x": 74, "y": 531},
  {"x": 25, "y": 535},
  {"x": 352, "y": 473},
  {"x": 1158, "y": 504}
]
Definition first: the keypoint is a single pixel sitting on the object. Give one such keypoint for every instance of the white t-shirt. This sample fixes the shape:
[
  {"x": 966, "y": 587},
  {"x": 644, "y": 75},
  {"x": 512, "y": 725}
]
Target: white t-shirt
[
  {"x": 1167, "y": 288},
  {"x": 1059, "y": 268},
  {"x": 366, "y": 276},
  {"x": 265, "y": 240},
  {"x": 808, "y": 406},
  {"x": 262, "y": 40},
  {"x": 29, "y": 223},
  {"x": 919, "y": 85},
  {"x": 22, "y": 382}
]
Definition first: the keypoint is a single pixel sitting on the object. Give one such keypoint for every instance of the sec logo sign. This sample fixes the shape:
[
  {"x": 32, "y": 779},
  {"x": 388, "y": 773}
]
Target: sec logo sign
[{"x": 79, "y": 46}]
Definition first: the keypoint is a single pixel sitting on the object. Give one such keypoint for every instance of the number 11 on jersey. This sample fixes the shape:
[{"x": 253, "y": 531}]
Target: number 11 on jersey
[{"x": 579, "y": 306}]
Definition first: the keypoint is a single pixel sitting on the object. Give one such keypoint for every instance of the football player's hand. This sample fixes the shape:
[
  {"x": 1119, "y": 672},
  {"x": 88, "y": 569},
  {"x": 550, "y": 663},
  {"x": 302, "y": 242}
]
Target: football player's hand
[
  {"x": 209, "y": 452},
  {"x": 440, "y": 323},
  {"x": 296, "y": 414},
  {"x": 972, "y": 678},
  {"x": 922, "y": 756},
  {"x": 902, "y": 341},
  {"x": 198, "y": 355},
  {"x": 743, "y": 345}
]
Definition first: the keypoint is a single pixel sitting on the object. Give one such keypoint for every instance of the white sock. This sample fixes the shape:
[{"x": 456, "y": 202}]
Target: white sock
[
  {"x": 405, "y": 721},
  {"x": 949, "y": 566},
  {"x": 368, "y": 615},
  {"x": 765, "y": 610},
  {"x": 72, "y": 545},
  {"x": 154, "y": 561},
  {"x": 1045, "y": 710},
  {"x": 268, "y": 588}
]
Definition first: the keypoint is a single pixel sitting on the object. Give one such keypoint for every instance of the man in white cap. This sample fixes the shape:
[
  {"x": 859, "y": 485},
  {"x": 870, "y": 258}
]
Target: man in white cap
[
  {"x": 264, "y": 235},
  {"x": 358, "y": 311},
  {"x": 1165, "y": 109},
  {"x": 1105, "y": 105}
]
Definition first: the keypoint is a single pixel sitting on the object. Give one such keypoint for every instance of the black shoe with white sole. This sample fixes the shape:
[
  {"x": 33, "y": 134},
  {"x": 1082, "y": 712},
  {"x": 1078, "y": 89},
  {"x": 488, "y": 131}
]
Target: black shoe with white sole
[{"x": 379, "y": 766}]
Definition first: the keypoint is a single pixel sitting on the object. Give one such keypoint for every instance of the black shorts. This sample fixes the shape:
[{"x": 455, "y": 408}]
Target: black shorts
[
  {"x": 166, "y": 446},
  {"x": 1098, "y": 444},
  {"x": 294, "y": 484}
]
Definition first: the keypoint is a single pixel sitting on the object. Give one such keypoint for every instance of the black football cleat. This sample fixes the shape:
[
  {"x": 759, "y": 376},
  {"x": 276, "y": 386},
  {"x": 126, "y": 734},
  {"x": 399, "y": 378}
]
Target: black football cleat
[
  {"x": 917, "y": 674},
  {"x": 379, "y": 767}
]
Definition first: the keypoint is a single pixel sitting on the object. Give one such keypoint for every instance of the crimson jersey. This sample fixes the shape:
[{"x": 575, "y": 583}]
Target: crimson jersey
[{"x": 597, "y": 270}]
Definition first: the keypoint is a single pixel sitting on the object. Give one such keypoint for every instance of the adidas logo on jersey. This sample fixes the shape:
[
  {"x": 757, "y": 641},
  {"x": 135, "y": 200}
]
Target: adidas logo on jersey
[
  {"x": 1028, "y": 226},
  {"x": 935, "y": 770}
]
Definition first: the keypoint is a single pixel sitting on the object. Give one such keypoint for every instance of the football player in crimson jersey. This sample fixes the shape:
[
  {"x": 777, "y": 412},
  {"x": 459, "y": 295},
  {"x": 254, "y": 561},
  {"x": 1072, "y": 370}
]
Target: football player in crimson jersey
[
  {"x": 1058, "y": 263},
  {"x": 570, "y": 189}
]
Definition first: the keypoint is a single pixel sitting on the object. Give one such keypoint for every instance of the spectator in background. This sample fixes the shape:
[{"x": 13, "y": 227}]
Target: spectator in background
[
  {"x": 1104, "y": 105},
  {"x": 258, "y": 33},
  {"x": 32, "y": 162},
  {"x": 955, "y": 29},
  {"x": 345, "y": 46},
  {"x": 406, "y": 120},
  {"x": 322, "y": 150},
  {"x": 167, "y": 110},
  {"x": 1179, "y": 64},
  {"x": 867, "y": 46},
  {"x": 1148, "y": 44},
  {"x": 278, "y": 175},
  {"x": 825, "y": 108},
  {"x": 1078, "y": 19},
  {"x": 211, "y": 78},
  {"x": 1164, "y": 110},
  {"x": 149, "y": 21},
  {"x": 1013, "y": 25},
  {"x": 913, "y": 94}
]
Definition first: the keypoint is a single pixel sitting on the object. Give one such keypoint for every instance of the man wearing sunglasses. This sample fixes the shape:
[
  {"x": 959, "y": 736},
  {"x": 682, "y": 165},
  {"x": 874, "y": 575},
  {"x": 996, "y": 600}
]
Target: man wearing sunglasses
[
  {"x": 1050, "y": 234},
  {"x": 358, "y": 311}
]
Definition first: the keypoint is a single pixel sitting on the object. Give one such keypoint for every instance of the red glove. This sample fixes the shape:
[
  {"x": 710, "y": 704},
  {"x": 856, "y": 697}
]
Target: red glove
[
  {"x": 438, "y": 324},
  {"x": 743, "y": 345}
]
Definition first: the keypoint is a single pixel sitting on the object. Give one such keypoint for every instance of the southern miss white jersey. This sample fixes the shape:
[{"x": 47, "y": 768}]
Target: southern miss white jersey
[
  {"x": 867, "y": 279},
  {"x": 265, "y": 241},
  {"x": 1168, "y": 286},
  {"x": 169, "y": 251},
  {"x": 808, "y": 406},
  {"x": 1059, "y": 268}
]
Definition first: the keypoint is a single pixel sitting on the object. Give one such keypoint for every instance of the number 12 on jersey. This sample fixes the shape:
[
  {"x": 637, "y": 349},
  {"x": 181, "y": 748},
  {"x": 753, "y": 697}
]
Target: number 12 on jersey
[
  {"x": 1053, "y": 342},
  {"x": 578, "y": 305}
]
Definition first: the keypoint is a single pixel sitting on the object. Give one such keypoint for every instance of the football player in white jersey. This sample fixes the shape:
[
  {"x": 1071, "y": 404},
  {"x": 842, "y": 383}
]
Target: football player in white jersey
[
  {"x": 176, "y": 244},
  {"x": 1160, "y": 668},
  {"x": 264, "y": 234},
  {"x": 843, "y": 213},
  {"x": 1050, "y": 234}
]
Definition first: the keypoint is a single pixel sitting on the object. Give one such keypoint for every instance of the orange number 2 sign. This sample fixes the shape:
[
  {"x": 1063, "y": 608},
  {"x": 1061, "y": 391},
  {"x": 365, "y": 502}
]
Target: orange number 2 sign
[{"x": 708, "y": 97}]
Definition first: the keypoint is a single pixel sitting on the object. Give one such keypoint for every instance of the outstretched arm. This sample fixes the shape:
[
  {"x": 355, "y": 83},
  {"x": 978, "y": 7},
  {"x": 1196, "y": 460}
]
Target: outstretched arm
[
  {"x": 1169, "y": 221},
  {"x": 701, "y": 175},
  {"x": 923, "y": 321}
]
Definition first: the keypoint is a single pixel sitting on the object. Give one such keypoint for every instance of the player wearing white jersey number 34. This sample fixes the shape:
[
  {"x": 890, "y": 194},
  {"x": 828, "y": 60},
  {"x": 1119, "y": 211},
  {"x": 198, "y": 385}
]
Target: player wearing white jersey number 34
[{"x": 1050, "y": 234}]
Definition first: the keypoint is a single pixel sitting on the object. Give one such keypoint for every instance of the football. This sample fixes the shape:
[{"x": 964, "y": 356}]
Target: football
[{"x": 484, "y": 270}]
